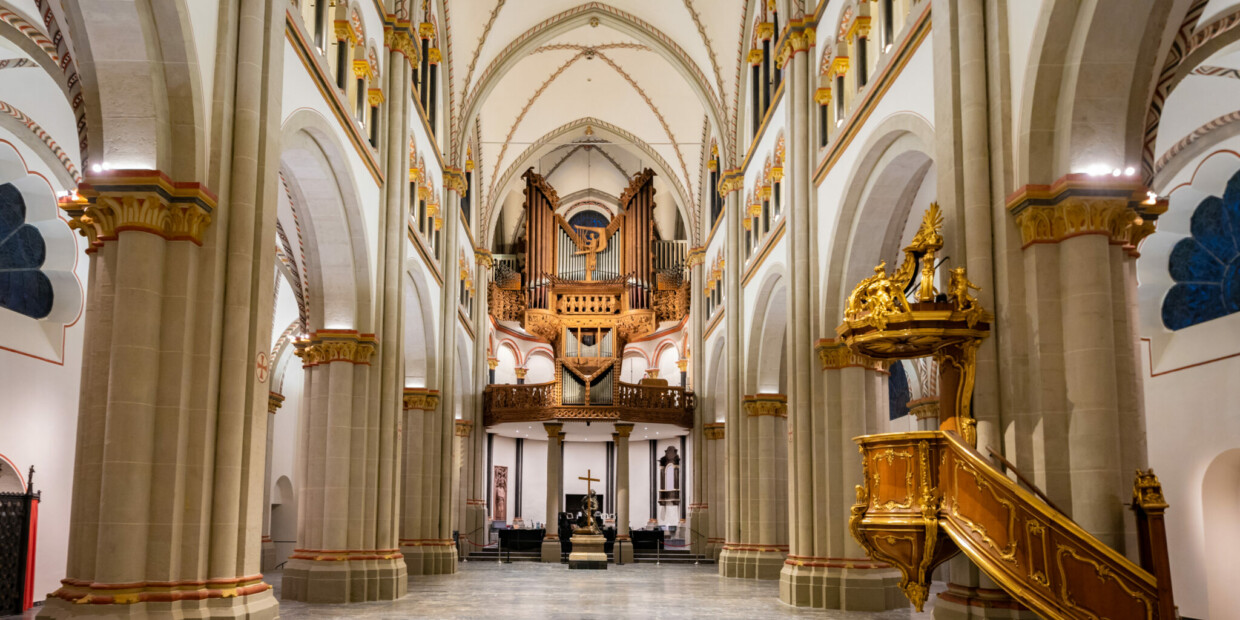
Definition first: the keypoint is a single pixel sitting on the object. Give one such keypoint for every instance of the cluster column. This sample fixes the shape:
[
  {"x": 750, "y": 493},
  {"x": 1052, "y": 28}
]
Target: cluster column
[
  {"x": 426, "y": 531},
  {"x": 623, "y": 550},
  {"x": 715, "y": 462},
  {"x": 342, "y": 555},
  {"x": 551, "y": 539},
  {"x": 274, "y": 401}
]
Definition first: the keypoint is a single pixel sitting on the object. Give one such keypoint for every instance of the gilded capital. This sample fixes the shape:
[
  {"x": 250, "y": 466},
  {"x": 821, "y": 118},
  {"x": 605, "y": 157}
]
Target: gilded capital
[
  {"x": 374, "y": 96},
  {"x": 492, "y": 363},
  {"x": 696, "y": 256},
  {"x": 755, "y": 56},
  {"x": 327, "y": 346},
  {"x": 433, "y": 56},
  {"x": 1079, "y": 204},
  {"x": 426, "y": 30},
  {"x": 520, "y": 372},
  {"x": 765, "y": 405},
  {"x": 553, "y": 429},
  {"x": 714, "y": 430},
  {"x": 484, "y": 258},
  {"x": 682, "y": 365},
  {"x": 464, "y": 428},
  {"x": 822, "y": 96},
  {"x": 141, "y": 200},
  {"x": 766, "y": 30},
  {"x": 423, "y": 399},
  {"x": 835, "y": 355},
  {"x": 623, "y": 429},
  {"x": 274, "y": 401}
]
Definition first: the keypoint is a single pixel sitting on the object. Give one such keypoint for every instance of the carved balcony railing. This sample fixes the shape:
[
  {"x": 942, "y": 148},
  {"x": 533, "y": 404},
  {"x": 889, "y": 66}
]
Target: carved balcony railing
[
  {"x": 929, "y": 495},
  {"x": 630, "y": 403}
]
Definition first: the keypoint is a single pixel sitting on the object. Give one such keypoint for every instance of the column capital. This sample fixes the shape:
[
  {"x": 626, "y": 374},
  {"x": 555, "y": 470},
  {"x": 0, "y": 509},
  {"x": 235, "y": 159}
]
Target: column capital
[
  {"x": 144, "y": 200},
  {"x": 521, "y": 372},
  {"x": 682, "y": 365},
  {"x": 925, "y": 408},
  {"x": 1078, "y": 204},
  {"x": 623, "y": 429},
  {"x": 553, "y": 429},
  {"x": 696, "y": 256},
  {"x": 336, "y": 345},
  {"x": 775, "y": 405},
  {"x": 492, "y": 363},
  {"x": 484, "y": 258},
  {"x": 714, "y": 430},
  {"x": 274, "y": 401},
  {"x": 835, "y": 355},
  {"x": 464, "y": 428},
  {"x": 424, "y": 399}
]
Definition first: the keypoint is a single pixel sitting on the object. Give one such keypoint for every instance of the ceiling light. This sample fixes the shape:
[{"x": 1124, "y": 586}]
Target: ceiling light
[{"x": 1129, "y": 171}]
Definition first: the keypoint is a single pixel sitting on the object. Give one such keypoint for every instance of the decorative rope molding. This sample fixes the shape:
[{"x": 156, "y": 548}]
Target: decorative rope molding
[
  {"x": 336, "y": 345},
  {"x": 44, "y": 137}
]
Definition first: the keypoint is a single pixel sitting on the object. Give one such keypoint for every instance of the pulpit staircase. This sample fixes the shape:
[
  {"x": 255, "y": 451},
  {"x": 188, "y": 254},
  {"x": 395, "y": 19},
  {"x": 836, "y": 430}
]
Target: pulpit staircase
[{"x": 928, "y": 495}]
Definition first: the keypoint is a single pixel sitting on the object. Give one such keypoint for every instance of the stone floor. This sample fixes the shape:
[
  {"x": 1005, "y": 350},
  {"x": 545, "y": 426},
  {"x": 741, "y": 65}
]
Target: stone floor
[{"x": 552, "y": 591}]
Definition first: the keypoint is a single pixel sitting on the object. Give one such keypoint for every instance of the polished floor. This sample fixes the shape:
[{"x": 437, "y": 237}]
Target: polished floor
[{"x": 551, "y": 591}]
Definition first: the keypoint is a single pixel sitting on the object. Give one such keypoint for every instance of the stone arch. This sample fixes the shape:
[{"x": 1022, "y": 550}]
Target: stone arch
[
  {"x": 539, "y": 365},
  {"x": 11, "y": 479},
  {"x": 420, "y": 328},
  {"x": 157, "y": 121},
  {"x": 576, "y": 17},
  {"x": 1089, "y": 61},
  {"x": 1220, "y": 505},
  {"x": 901, "y": 147},
  {"x": 766, "y": 363},
  {"x": 323, "y": 191},
  {"x": 716, "y": 379},
  {"x": 515, "y": 170},
  {"x": 464, "y": 374}
]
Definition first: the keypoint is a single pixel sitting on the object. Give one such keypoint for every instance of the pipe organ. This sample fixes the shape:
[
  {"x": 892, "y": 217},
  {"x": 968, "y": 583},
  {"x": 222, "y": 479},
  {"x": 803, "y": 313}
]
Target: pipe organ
[{"x": 588, "y": 288}]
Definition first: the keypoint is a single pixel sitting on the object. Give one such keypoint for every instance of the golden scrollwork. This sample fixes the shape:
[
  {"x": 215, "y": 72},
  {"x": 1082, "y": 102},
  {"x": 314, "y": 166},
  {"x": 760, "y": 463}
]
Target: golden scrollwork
[
  {"x": 1007, "y": 553},
  {"x": 1147, "y": 491},
  {"x": 148, "y": 202},
  {"x": 1103, "y": 573}
]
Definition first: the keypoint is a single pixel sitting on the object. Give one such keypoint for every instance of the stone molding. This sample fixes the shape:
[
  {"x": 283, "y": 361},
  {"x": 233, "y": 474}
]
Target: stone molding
[
  {"x": 775, "y": 405},
  {"x": 925, "y": 408},
  {"x": 423, "y": 399},
  {"x": 464, "y": 428},
  {"x": 623, "y": 429},
  {"x": 328, "y": 345},
  {"x": 274, "y": 401}
]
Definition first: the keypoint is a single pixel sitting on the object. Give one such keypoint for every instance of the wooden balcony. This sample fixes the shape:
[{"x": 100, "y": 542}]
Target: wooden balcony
[{"x": 630, "y": 403}]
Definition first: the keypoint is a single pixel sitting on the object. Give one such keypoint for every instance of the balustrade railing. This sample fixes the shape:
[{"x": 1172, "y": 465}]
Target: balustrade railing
[{"x": 648, "y": 403}]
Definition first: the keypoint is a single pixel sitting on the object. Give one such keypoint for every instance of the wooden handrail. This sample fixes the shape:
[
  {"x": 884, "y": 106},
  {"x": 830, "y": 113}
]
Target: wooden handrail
[{"x": 1023, "y": 480}]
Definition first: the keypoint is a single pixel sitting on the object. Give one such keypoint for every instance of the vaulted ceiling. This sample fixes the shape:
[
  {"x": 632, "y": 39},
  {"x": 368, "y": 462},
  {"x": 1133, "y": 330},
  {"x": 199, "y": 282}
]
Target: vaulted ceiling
[{"x": 659, "y": 75}]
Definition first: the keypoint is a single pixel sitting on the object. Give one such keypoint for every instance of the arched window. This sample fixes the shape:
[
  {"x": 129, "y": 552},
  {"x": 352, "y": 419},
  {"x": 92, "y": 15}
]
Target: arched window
[
  {"x": 898, "y": 393},
  {"x": 24, "y": 288},
  {"x": 1206, "y": 266}
]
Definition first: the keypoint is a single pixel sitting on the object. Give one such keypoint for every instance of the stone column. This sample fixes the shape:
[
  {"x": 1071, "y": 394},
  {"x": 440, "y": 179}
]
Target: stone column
[
  {"x": 730, "y": 186},
  {"x": 341, "y": 554},
  {"x": 551, "y": 541},
  {"x": 699, "y": 509},
  {"x": 715, "y": 481},
  {"x": 426, "y": 550},
  {"x": 623, "y": 549},
  {"x": 269, "y": 547},
  {"x": 763, "y": 540},
  {"x": 520, "y": 372}
]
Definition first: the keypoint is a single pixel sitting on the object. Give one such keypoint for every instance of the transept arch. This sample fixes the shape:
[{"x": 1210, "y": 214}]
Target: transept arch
[
  {"x": 312, "y": 162},
  {"x": 766, "y": 367},
  {"x": 420, "y": 330},
  {"x": 134, "y": 127},
  {"x": 899, "y": 153}
]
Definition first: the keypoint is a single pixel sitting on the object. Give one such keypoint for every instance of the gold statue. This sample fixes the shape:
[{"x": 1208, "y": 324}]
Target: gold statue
[
  {"x": 958, "y": 293},
  {"x": 595, "y": 243}
]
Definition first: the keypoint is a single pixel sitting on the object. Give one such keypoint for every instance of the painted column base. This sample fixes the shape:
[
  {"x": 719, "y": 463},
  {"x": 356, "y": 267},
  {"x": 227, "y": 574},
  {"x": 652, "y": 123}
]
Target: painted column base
[
  {"x": 965, "y": 603},
  {"x": 255, "y": 601},
  {"x": 751, "y": 562},
  {"x": 551, "y": 551},
  {"x": 268, "y": 562},
  {"x": 344, "y": 581},
  {"x": 824, "y": 583},
  {"x": 474, "y": 536},
  {"x": 714, "y": 546},
  {"x": 698, "y": 517},
  {"x": 622, "y": 551},
  {"x": 430, "y": 558}
]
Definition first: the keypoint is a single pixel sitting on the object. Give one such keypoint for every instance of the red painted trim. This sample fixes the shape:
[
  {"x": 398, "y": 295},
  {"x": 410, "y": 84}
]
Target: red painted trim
[
  {"x": 28, "y": 595},
  {"x": 1149, "y": 352},
  {"x": 1193, "y": 178}
]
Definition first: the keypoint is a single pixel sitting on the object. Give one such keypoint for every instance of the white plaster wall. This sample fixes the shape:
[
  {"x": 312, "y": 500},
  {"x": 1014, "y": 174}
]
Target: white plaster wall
[
  {"x": 505, "y": 372},
  {"x": 580, "y": 456},
  {"x": 539, "y": 369},
  {"x": 503, "y": 454},
  {"x": 534, "y": 488},
  {"x": 38, "y": 422},
  {"x": 639, "y": 480}
]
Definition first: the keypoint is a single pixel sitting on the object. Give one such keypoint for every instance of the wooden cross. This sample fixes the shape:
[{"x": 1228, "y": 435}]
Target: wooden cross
[
  {"x": 588, "y": 480},
  {"x": 589, "y": 514}
]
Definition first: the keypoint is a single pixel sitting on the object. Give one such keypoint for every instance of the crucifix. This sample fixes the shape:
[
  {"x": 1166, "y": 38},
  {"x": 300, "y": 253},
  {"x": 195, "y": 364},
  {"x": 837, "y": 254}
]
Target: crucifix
[{"x": 590, "y": 506}]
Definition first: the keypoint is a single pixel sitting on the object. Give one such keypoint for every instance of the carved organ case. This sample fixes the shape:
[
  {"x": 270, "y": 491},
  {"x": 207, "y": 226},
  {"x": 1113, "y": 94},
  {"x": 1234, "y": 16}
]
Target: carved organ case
[{"x": 589, "y": 289}]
